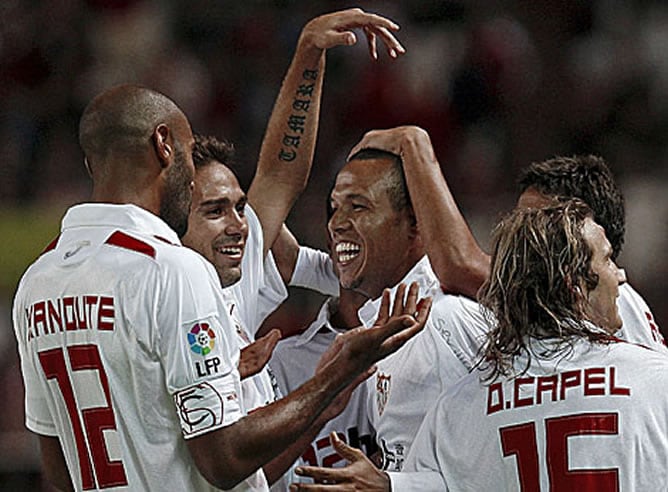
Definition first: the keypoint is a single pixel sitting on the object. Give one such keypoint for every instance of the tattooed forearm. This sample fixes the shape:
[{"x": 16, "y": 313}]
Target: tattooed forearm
[{"x": 297, "y": 121}]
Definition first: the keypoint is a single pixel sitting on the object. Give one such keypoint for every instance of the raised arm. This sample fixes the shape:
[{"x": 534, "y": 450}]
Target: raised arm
[
  {"x": 453, "y": 251},
  {"x": 289, "y": 142},
  {"x": 230, "y": 454}
]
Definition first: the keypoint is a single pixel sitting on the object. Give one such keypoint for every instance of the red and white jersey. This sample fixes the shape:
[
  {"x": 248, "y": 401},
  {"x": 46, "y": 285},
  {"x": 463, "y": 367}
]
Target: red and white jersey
[
  {"x": 294, "y": 362},
  {"x": 408, "y": 382},
  {"x": 596, "y": 419},
  {"x": 638, "y": 321},
  {"x": 127, "y": 349}
]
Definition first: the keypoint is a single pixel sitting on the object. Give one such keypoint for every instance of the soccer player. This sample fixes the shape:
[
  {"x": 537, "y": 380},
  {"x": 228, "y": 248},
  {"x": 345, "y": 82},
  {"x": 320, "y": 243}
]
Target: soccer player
[
  {"x": 376, "y": 244},
  {"x": 128, "y": 353},
  {"x": 295, "y": 358},
  {"x": 231, "y": 228},
  {"x": 560, "y": 403},
  {"x": 457, "y": 258},
  {"x": 455, "y": 254}
]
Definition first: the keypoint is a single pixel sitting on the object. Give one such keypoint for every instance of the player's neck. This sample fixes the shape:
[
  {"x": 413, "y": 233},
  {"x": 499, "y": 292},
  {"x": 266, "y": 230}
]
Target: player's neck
[{"x": 345, "y": 316}]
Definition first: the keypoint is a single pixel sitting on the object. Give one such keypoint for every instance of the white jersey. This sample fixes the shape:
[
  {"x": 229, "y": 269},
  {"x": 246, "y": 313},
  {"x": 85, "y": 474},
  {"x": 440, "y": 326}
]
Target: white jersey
[
  {"x": 126, "y": 350},
  {"x": 638, "y": 325},
  {"x": 409, "y": 381},
  {"x": 314, "y": 270},
  {"x": 294, "y": 361},
  {"x": 256, "y": 295},
  {"x": 594, "y": 420}
]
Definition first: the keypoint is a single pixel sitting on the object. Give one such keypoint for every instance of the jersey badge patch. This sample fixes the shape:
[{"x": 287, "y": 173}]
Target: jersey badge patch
[
  {"x": 382, "y": 391},
  {"x": 202, "y": 339},
  {"x": 200, "y": 409}
]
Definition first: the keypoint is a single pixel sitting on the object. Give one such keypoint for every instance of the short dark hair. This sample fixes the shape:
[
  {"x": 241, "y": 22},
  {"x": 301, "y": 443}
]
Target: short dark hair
[
  {"x": 396, "y": 180},
  {"x": 122, "y": 119},
  {"x": 588, "y": 178},
  {"x": 209, "y": 149}
]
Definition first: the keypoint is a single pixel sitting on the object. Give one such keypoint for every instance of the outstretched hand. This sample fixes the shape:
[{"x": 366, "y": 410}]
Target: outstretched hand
[
  {"x": 359, "y": 474},
  {"x": 335, "y": 29},
  {"x": 256, "y": 355},
  {"x": 358, "y": 349}
]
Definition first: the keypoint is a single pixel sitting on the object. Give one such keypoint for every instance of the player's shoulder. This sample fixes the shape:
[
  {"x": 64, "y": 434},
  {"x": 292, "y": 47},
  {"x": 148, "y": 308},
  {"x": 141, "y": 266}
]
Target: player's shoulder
[
  {"x": 166, "y": 254},
  {"x": 640, "y": 353},
  {"x": 459, "y": 313},
  {"x": 629, "y": 297}
]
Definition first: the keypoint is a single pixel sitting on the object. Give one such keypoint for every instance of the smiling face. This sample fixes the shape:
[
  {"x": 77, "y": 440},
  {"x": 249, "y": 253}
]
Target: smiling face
[
  {"x": 373, "y": 244},
  {"x": 603, "y": 297},
  {"x": 217, "y": 225}
]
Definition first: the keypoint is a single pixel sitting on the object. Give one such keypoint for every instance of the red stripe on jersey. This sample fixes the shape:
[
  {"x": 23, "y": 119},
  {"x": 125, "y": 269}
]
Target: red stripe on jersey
[
  {"x": 619, "y": 340},
  {"x": 122, "y": 240},
  {"x": 160, "y": 238},
  {"x": 51, "y": 245}
]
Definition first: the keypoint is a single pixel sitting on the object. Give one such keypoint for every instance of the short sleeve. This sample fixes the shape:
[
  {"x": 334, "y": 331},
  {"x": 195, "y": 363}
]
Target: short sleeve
[
  {"x": 38, "y": 415},
  {"x": 314, "y": 270},
  {"x": 198, "y": 349}
]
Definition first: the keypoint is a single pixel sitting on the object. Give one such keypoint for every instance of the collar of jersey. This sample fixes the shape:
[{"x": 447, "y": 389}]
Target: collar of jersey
[
  {"x": 321, "y": 322},
  {"x": 421, "y": 273},
  {"x": 126, "y": 217}
]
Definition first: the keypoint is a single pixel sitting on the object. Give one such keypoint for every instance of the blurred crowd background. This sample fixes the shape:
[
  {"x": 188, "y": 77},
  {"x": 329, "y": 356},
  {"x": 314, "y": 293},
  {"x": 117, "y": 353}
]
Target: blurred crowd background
[{"x": 498, "y": 84}]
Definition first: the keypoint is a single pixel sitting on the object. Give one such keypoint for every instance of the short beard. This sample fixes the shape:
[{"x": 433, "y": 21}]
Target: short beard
[
  {"x": 175, "y": 206},
  {"x": 229, "y": 277}
]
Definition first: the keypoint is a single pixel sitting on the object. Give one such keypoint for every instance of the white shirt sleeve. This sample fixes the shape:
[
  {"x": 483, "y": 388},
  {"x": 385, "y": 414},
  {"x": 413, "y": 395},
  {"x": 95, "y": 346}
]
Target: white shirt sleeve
[
  {"x": 38, "y": 415},
  {"x": 314, "y": 270},
  {"x": 197, "y": 346}
]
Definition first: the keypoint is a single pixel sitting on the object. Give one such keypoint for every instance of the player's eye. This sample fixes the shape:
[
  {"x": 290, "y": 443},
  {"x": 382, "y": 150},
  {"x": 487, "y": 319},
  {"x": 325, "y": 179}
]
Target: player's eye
[{"x": 213, "y": 212}]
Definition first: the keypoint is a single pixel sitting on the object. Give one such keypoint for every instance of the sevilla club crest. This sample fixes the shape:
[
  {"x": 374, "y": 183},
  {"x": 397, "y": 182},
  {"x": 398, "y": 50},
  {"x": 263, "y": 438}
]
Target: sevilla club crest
[{"x": 382, "y": 391}]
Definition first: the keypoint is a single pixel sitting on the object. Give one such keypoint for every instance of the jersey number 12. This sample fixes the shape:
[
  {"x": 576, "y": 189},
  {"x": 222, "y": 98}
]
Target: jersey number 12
[{"x": 95, "y": 420}]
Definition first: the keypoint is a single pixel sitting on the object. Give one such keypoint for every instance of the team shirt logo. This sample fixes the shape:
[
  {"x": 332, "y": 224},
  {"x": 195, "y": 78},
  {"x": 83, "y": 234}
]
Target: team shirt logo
[
  {"x": 207, "y": 406},
  {"x": 382, "y": 391},
  {"x": 202, "y": 339}
]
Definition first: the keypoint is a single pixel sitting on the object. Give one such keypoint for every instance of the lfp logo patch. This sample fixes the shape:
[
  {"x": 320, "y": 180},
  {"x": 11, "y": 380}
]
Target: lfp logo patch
[{"x": 202, "y": 339}]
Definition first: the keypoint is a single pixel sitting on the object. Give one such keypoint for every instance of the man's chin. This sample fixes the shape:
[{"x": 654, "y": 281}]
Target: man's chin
[{"x": 229, "y": 276}]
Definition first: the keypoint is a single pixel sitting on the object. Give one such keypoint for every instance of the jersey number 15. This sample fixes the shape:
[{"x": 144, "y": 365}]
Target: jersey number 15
[{"x": 520, "y": 441}]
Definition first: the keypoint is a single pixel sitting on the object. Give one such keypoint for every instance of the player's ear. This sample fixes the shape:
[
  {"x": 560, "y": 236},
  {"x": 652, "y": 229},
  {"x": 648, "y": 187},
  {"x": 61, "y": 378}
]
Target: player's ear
[{"x": 163, "y": 144}]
